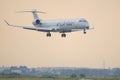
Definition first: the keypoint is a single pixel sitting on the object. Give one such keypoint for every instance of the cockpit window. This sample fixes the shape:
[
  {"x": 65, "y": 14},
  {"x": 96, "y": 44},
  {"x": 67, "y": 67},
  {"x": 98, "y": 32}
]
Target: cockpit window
[{"x": 82, "y": 20}]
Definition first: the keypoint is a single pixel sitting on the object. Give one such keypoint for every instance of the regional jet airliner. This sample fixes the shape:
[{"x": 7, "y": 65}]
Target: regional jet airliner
[{"x": 62, "y": 26}]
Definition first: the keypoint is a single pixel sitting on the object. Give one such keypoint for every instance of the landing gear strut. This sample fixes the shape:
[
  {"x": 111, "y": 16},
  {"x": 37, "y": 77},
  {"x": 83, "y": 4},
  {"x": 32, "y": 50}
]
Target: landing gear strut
[
  {"x": 63, "y": 35},
  {"x": 48, "y": 34},
  {"x": 84, "y": 31}
]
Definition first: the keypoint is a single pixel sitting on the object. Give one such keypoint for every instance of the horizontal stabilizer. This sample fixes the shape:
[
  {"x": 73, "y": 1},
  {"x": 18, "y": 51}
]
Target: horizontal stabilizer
[{"x": 33, "y": 11}]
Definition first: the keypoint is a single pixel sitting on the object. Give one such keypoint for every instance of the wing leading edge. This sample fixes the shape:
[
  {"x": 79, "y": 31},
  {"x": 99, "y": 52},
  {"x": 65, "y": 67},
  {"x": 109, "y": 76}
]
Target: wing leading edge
[{"x": 43, "y": 29}]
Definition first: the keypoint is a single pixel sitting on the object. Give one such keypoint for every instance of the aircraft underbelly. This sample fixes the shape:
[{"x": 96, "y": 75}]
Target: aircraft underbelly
[{"x": 67, "y": 28}]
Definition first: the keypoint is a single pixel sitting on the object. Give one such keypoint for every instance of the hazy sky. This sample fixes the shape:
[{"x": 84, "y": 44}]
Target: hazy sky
[{"x": 34, "y": 49}]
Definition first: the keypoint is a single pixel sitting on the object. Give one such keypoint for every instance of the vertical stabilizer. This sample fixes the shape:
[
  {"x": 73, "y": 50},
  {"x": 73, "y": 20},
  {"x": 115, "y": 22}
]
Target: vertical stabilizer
[{"x": 35, "y": 15}]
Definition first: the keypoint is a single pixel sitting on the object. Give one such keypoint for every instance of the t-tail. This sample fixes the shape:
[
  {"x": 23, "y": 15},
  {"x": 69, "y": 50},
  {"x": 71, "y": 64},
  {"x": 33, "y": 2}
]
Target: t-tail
[{"x": 37, "y": 21}]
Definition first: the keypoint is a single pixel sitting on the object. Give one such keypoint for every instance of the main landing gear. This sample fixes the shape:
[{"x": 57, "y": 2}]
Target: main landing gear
[
  {"x": 48, "y": 34},
  {"x": 63, "y": 35}
]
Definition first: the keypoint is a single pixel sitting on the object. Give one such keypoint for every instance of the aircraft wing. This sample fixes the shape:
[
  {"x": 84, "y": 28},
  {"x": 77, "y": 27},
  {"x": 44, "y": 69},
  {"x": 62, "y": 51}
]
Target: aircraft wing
[{"x": 43, "y": 29}]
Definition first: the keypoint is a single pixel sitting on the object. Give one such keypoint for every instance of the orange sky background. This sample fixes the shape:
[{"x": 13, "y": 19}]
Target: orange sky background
[{"x": 34, "y": 49}]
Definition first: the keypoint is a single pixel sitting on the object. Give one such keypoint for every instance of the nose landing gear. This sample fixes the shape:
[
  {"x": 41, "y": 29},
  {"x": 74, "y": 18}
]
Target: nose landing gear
[{"x": 84, "y": 31}]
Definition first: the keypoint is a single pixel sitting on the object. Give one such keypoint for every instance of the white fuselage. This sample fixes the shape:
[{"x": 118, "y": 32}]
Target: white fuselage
[
  {"x": 65, "y": 25},
  {"x": 60, "y": 25}
]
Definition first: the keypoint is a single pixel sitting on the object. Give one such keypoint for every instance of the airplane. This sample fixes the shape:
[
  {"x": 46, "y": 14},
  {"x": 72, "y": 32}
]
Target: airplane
[{"x": 62, "y": 26}]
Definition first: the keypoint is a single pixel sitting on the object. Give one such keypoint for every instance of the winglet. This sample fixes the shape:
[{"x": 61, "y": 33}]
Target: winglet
[{"x": 7, "y": 23}]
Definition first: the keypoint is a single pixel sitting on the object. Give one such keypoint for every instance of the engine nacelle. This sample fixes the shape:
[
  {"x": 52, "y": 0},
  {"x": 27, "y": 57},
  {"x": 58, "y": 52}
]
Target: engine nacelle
[{"x": 36, "y": 22}]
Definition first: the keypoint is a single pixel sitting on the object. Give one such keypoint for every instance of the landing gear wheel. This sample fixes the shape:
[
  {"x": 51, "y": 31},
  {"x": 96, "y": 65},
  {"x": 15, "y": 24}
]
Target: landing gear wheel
[
  {"x": 63, "y": 35},
  {"x": 84, "y": 31},
  {"x": 48, "y": 34}
]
